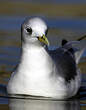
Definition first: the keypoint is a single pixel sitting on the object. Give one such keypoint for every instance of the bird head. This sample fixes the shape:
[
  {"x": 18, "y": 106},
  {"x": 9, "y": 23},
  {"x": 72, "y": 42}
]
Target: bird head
[{"x": 34, "y": 31}]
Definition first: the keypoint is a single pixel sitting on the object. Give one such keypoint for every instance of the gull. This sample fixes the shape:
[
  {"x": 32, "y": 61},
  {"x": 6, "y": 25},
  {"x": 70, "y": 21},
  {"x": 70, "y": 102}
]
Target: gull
[{"x": 42, "y": 72}]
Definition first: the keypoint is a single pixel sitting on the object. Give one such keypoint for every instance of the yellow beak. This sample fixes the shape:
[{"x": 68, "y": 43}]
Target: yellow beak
[{"x": 44, "y": 40}]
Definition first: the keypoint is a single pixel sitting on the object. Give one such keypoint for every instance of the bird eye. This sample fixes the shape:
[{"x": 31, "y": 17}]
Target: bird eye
[
  {"x": 46, "y": 32},
  {"x": 29, "y": 30}
]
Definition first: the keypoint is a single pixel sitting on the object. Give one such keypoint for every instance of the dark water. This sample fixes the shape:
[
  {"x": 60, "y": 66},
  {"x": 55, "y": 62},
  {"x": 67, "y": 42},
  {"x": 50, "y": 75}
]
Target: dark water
[
  {"x": 22, "y": 104},
  {"x": 53, "y": 1},
  {"x": 14, "y": 23},
  {"x": 68, "y": 27}
]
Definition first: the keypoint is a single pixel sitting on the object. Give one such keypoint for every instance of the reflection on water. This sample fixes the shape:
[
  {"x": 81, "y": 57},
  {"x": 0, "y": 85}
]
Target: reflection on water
[{"x": 23, "y": 104}]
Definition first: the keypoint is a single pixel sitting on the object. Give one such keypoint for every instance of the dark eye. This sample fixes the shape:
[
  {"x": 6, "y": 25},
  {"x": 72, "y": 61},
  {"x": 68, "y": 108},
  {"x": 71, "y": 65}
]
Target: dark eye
[
  {"x": 46, "y": 32},
  {"x": 29, "y": 30}
]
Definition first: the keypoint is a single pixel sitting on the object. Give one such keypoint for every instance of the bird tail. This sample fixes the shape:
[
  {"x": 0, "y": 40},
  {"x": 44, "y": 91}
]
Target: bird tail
[
  {"x": 76, "y": 52},
  {"x": 79, "y": 53}
]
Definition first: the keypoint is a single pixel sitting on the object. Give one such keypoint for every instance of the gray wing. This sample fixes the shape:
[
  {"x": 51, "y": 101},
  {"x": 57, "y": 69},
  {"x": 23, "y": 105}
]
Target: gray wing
[{"x": 65, "y": 63}]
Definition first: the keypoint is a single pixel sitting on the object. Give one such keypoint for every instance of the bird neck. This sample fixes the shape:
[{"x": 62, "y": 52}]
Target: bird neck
[
  {"x": 33, "y": 58},
  {"x": 30, "y": 48}
]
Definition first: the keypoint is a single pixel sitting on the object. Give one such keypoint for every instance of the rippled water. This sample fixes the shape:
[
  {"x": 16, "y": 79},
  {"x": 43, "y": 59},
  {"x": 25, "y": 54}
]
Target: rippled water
[{"x": 69, "y": 26}]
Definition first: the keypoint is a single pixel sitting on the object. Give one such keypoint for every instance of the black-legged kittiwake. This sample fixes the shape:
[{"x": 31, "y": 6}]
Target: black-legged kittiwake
[{"x": 41, "y": 72}]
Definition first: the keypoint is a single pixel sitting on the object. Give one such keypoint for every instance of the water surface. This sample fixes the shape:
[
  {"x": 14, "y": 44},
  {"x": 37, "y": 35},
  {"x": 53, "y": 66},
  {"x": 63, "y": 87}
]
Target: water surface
[{"x": 66, "y": 21}]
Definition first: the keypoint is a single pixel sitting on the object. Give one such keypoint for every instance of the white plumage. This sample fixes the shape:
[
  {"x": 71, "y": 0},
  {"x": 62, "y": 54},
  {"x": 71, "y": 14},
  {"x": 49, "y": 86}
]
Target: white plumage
[{"x": 42, "y": 72}]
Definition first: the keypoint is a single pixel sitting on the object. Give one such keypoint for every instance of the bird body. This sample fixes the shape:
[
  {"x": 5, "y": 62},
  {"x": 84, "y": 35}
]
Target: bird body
[{"x": 52, "y": 74}]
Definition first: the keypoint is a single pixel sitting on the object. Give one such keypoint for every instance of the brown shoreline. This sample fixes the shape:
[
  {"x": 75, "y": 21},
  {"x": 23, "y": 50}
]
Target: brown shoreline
[{"x": 49, "y": 9}]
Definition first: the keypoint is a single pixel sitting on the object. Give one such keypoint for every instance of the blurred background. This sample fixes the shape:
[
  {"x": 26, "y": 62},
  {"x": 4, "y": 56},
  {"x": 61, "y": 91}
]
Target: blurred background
[{"x": 65, "y": 19}]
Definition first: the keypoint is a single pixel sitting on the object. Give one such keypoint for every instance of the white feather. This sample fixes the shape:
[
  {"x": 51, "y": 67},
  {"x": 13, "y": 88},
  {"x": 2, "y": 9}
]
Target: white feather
[{"x": 36, "y": 73}]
